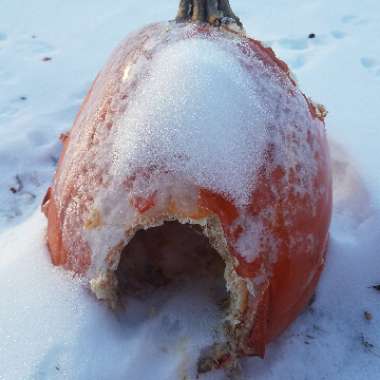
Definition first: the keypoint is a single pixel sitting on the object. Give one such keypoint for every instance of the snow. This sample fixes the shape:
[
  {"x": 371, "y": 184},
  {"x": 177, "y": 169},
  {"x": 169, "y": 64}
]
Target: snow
[
  {"x": 159, "y": 130},
  {"x": 211, "y": 145},
  {"x": 50, "y": 326}
]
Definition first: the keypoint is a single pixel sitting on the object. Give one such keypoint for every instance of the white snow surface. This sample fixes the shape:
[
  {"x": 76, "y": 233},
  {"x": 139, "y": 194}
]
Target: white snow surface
[
  {"x": 51, "y": 327},
  {"x": 215, "y": 146}
]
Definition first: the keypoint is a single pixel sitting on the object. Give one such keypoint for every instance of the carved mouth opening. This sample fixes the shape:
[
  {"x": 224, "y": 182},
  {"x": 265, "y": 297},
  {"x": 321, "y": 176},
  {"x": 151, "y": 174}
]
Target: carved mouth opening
[
  {"x": 182, "y": 258},
  {"x": 169, "y": 254}
]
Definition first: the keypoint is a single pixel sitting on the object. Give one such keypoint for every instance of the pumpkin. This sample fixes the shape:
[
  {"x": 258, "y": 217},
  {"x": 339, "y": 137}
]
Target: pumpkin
[{"x": 192, "y": 121}]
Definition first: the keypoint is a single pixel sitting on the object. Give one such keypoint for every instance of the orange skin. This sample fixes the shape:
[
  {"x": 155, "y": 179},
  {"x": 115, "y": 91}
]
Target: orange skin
[{"x": 293, "y": 277}]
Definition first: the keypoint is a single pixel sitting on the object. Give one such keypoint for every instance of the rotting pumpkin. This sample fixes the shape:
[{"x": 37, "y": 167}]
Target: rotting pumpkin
[{"x": 267, "y": 214}]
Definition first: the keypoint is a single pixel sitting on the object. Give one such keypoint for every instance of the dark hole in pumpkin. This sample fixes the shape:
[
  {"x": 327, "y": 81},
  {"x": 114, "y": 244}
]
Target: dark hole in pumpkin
[
  {"x": 172, "y": 273},
  {"x": 170, "y": 255}
]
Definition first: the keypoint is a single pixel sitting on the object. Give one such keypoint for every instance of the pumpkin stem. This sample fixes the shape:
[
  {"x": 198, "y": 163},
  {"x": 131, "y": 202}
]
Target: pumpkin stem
[{"x": 214, "y": 12}]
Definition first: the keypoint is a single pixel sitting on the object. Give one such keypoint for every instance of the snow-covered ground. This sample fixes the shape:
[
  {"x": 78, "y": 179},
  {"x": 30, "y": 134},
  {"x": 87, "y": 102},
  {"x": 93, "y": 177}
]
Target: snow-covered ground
[{"x": 50, "y": 327}]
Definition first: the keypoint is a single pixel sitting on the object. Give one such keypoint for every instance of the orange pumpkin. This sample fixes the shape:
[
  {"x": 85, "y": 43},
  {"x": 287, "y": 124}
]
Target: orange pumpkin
[{"x": 273, "y": 236}]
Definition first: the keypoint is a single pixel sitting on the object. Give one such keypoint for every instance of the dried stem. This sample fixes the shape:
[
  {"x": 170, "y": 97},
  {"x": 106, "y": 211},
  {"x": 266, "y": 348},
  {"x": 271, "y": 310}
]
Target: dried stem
[{"x": 214, "y": 12}]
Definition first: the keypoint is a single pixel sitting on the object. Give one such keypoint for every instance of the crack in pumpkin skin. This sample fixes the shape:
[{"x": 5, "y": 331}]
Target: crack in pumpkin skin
[{"x": 279, "y": 278}]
